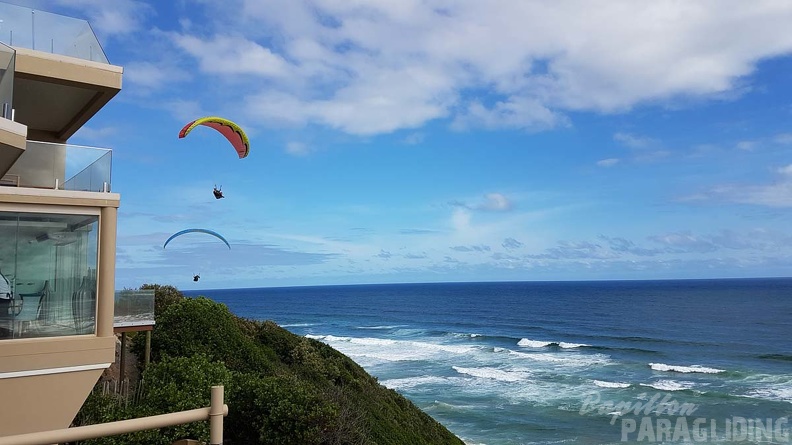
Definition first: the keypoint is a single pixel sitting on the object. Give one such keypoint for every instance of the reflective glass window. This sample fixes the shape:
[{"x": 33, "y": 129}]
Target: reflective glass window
[{"x": 48, "y": 264}]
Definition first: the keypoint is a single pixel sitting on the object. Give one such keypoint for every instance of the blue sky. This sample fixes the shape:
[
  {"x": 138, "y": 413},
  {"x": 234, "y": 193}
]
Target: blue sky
[{"x": 435, "y": 140}]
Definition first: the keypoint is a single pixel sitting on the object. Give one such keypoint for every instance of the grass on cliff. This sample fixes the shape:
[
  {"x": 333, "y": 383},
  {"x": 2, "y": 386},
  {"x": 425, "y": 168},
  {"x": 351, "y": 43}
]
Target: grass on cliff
[{"x": 280, "y": 388}]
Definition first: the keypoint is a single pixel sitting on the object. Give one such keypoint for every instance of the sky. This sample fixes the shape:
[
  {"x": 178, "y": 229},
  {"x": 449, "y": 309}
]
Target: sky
[{"x": 436, "y": 140}]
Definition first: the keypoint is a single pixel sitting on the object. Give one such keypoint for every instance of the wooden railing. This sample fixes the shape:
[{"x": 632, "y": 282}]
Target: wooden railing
[{"x": 214, "y": 414}]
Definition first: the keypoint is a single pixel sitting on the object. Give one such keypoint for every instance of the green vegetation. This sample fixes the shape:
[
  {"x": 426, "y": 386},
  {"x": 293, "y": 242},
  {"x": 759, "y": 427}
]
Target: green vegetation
[{"x": 281, "y": 388}]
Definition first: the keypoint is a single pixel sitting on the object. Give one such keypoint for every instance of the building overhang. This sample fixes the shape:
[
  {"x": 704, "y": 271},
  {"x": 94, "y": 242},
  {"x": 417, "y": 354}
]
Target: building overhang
[
  {"x": 55, "y": 95},
  {"x": 47, "y": 197}
]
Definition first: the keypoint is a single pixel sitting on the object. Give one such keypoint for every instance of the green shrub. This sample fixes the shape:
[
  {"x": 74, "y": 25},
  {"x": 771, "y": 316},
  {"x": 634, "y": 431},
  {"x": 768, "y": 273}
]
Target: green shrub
[
  {"x": 164, "y": 297},
  {"x": 281, "y": 410},
  {"x": 281, "y": 388},
  {"x": 199, "y": 325},
  {"x": 174, "y": 384}
]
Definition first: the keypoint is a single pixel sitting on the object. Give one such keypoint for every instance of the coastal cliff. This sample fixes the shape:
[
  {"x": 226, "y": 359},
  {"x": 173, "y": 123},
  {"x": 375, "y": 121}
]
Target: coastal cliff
[{"x": 281, "y": 388}]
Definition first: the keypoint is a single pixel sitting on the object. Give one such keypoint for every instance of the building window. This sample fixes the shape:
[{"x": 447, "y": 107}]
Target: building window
[{"x": 48, "y": 264}]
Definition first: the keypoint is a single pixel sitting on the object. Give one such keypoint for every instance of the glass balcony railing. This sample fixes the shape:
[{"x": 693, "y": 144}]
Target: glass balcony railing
[
  {"x": 63, "y": 166},
  {"x": 134, "y": 308},
  {"x": 88, "y": 169},
  {"x": 53, "y": 33},
  {"x": 7, "y": 60}
]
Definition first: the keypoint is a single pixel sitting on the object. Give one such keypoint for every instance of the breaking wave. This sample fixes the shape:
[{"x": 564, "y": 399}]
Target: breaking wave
[
  {"x": 685, "y": 369},
  {"x": 528, "y": 343},
  {"x": 670, "y": 385},
  {"x": 602, "y": 384},
  {"x": 494, "y": 374}
]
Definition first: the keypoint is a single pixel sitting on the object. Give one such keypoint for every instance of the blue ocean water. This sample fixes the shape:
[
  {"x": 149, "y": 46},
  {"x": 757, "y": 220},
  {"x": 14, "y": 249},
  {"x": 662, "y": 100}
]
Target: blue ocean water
[{"x": 553, "y": 362}]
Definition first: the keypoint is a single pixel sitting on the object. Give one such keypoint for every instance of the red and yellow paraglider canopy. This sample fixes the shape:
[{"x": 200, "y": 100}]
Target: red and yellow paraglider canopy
[{"x": 227, "y": 128}]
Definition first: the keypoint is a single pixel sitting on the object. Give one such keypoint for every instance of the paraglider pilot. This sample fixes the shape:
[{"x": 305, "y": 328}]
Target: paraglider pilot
[
  {"x": 196, "y": 277},
  {"x": 218, "y": 193}
]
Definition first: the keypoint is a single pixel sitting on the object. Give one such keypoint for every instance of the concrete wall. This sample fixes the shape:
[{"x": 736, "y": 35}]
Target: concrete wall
[{"x": 44, "y": 381}]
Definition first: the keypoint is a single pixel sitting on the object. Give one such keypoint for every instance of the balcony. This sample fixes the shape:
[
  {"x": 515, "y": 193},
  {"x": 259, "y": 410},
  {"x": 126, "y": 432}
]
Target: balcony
[
  {"x": 12, "y": 134},
  {"x": 61, "y": 76},
  {"x": 63, "y": 167},
  {"x": 53, "y": 33}
]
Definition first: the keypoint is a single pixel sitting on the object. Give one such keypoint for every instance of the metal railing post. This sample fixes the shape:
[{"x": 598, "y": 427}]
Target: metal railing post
[
  {"x": 216, "y": 412},
  {"x": 122, "y": 360},
  {"x": 147, "y": 357}
]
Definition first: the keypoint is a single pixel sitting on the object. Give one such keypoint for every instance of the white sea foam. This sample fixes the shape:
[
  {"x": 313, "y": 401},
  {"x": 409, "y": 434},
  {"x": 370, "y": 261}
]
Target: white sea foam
[
  {"x": 684, "y": 369},
  {"x": 463, "y": 335},
  {"x": 776, "y": 387},
  {"x": 566, "y": 345},
  {"x": 567, "y": 359},
  {"x": 538, "y": 391},
  {"x": 540, "y": 357},
  {"x": 381, "y": 349},
  {"x": 602, "y": 384},
  {"x": 533, "y": 343},
  {"x": 528, "y": 343},
  {"x": 670, "y": 385},
  {"x": 365, "y": 341},
  {"x": 494, "y": 373},
  {"x": 412, "y": 382},
  {"x": 780, "y": 393},
  {"x": 379, "y": 327},
  {"x": 769, "y": 379},
  {"x": 451, "y": 406}
]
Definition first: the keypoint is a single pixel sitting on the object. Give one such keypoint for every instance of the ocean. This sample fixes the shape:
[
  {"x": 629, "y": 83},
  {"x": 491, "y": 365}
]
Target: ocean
[{"x": 682, "y": 361}]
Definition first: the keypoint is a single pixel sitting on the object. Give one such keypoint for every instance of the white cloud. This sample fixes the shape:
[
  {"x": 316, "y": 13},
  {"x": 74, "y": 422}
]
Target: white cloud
[
  {"x": 747, "y": 145},
  {"x": 184, "y": 110},
  {"x": 382, "y": 101},
  {"x": 151, "y": 76},
  {"x": 492, "y": 202},
  {"x": 495, "y": 202},
  {"x": 414, "y": 138},
  {"x": 297, "y": 149},
  {"x": 772, "y": 195},
  {"x": 511, "y": 243},
  {"x": 111, "y": 18},
  {"x": 607, "y": 162},
  {"x": 566, "y": 250},
  {"x": 232, "y": 55},
  {"x": 784, "y": 138},
  {"x": 776, "y": 194},
  {"x": 520, "y": 113},
  {"x": 460, "y": 220},
  {"x": 633, "y": 141},
  {"x": 642, "y": 148},
  {"x": 479, "y": 248},
  {"x": 685, "y": 242},
  {"x": 369, "y": 67},
  {"x": 95, "y": 134}
]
